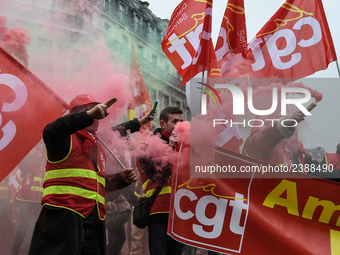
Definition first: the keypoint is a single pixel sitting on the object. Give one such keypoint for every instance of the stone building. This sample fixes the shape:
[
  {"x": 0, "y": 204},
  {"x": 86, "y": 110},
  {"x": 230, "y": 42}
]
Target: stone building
[{"x": 120, "y": 24}]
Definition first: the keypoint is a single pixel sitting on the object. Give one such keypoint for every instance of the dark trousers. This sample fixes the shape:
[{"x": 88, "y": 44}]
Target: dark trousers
[
  {"x": 116, "y": 239},
  {"x": 61, "y": 231},
  {"x": 27, "y": 214},
  {"x": 160, "y": 243}
]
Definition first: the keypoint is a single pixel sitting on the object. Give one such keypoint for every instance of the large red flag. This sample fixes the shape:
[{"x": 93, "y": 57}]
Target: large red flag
[
  {"x": 187, "y": 41},
  {"x": 231, "y": 46},
  {"x": 253, "y": 215},
  {"x": 294, "y": 43},
  {"x": 26, "y": 106},
  {"x": 140, "y": 103}
]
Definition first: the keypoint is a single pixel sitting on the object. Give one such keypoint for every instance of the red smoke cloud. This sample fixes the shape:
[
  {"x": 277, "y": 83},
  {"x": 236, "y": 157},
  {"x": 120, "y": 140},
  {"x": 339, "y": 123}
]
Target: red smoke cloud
[{"x": 14, "y": 40}]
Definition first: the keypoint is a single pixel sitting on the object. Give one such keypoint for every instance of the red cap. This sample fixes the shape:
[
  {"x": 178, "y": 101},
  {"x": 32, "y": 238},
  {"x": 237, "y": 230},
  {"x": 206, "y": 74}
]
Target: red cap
[{"x": 82, "y": 100}]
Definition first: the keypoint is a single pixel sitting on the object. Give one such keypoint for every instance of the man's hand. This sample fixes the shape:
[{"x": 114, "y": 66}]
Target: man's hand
[
  {"x": 128, "y": 175},
  {"x": 173, "y": 140},
  {"x": 147, "y": 118},
  {"x": 298, "y": 116},
  {"x": 110, "y": 205},
  {"x": 100, "y": 110}
]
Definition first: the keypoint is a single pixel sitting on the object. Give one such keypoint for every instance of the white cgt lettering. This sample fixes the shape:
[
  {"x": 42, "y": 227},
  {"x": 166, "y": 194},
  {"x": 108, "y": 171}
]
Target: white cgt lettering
[
  {"x": 178, "y": 45},
  {"x": 291, "y": 43},
  {"x": 217, "y": 221}
]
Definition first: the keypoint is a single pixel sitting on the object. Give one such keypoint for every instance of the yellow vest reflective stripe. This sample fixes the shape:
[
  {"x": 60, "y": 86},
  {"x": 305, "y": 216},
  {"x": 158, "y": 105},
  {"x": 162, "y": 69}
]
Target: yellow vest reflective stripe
[
  {"x": 73, "y": 172},
  {"x": 75, "y": 191},
  {"x": 146, "y": 184},
  {"x": 34, "y": 188},
  {"x": 164, "y": 190},
  {"x": 37, "y": 179}
]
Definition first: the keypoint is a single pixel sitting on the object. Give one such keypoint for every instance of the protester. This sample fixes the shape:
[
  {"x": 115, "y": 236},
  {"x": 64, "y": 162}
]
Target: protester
[
  {"x": 270, "y": 144},
  {"x": 6, "y": 215},
  {"x": 152, "y": 175},
  {"x": 330, "y": 166},
  {"x": 333, "y": 158},
  {"x": 118, "y": 208},
  {"x": 28, "y": 197},
  {"x": 138, "y": 238},
  {"x": 72, "y": 217},
  {"x": 119, "y": 212}
]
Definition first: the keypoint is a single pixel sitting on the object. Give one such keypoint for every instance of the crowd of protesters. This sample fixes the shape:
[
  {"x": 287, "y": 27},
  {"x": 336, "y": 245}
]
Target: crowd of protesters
[{"x": 59, "y": 206}]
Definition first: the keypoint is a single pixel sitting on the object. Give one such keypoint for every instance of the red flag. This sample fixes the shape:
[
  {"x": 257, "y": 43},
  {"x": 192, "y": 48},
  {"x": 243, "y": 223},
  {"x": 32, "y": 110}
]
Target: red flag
[
  {"x": 253, "y": 215},
  {"x": 26, "y": 106},
  {"x": 141, "y": 102},
  {"x": 187, "y": 41},
  {"x": 231, "y": 46},
  {"x": 294, "y": 43}
]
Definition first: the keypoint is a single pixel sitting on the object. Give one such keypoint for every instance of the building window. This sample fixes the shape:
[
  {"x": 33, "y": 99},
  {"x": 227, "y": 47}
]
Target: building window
[
  {"x": 166, "y": 101},
  {"x": 107, "y": 5},
  {"x": 178, "y": 104},
  {"x": 122, "y": 11},
  {"x": 153, "y": 95},
  {"x": 125, "y": 40},
  {"x": 138, "y": 23},
  {"x": 154, "y": 59},
  {"x": 107, "y": 26},
  {"x": 140, "y": 50}
]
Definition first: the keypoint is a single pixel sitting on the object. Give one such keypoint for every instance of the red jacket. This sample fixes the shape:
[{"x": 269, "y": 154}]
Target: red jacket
[
  {"x": 162, "y": 202},
  {"x": 333, "y": 159},
  {"x": 30, "y": 188}
]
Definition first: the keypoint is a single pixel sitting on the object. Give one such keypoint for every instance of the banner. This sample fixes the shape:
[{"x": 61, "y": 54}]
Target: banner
[
  {"x": 294, "y": 43},
  {"x": 255, "y": 216},
  {"x": 232, "y": 45},
  {"x": 26, "y": 106},
  {"x": 187, "y": 41},
  {"x": 140, "y": 103}
]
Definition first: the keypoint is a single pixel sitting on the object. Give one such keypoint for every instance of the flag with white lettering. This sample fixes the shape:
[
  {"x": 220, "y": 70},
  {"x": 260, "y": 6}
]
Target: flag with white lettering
[
  {"x": 231, "y": 46},
  {"x": 253, "y": 215},
  {"x": 187, "y": 41},
  {"x": 294, "y": 43},
  {"x": 26, "y": 106}
]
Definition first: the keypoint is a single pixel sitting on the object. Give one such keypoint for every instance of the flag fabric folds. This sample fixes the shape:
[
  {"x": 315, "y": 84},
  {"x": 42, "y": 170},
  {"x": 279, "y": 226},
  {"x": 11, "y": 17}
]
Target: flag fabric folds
[
  {"x": 140, "y": 103},
  {"x": 294, "y": 43},
  {"x": 27, "y": 105},
  {"x": 231, "y": 46},
  {"x": 252, "y": 214},
  {"x": 187, "y": 41}
]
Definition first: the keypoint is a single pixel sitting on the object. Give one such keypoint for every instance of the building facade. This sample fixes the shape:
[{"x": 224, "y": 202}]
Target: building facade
[{"x": 59, "y": 26}]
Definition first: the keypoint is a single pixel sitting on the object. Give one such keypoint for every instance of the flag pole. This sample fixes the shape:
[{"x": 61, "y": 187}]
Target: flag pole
[
  {"x": 337, "y": 66},
  {"x": 111, "y": 152}
]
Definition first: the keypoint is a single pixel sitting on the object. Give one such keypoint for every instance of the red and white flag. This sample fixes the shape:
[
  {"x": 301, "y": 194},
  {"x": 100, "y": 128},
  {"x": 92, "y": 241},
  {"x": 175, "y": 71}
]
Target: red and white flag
[
  {"x": 294, "y": 43},
  {"x": 187, "y": 41},
  {"x": 141, "y": 102},
  {"x": 254, "y": 215},
  {"x": 232, "y": 45},
  {"x": 14, "y": 181},
  {"x": 26, "y": 106},
  {"x": 230, "y": 138}
]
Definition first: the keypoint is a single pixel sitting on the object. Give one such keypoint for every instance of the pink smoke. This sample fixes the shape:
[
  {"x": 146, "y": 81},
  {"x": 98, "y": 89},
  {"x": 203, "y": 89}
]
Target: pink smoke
[{"x": 14, "y": 40}]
